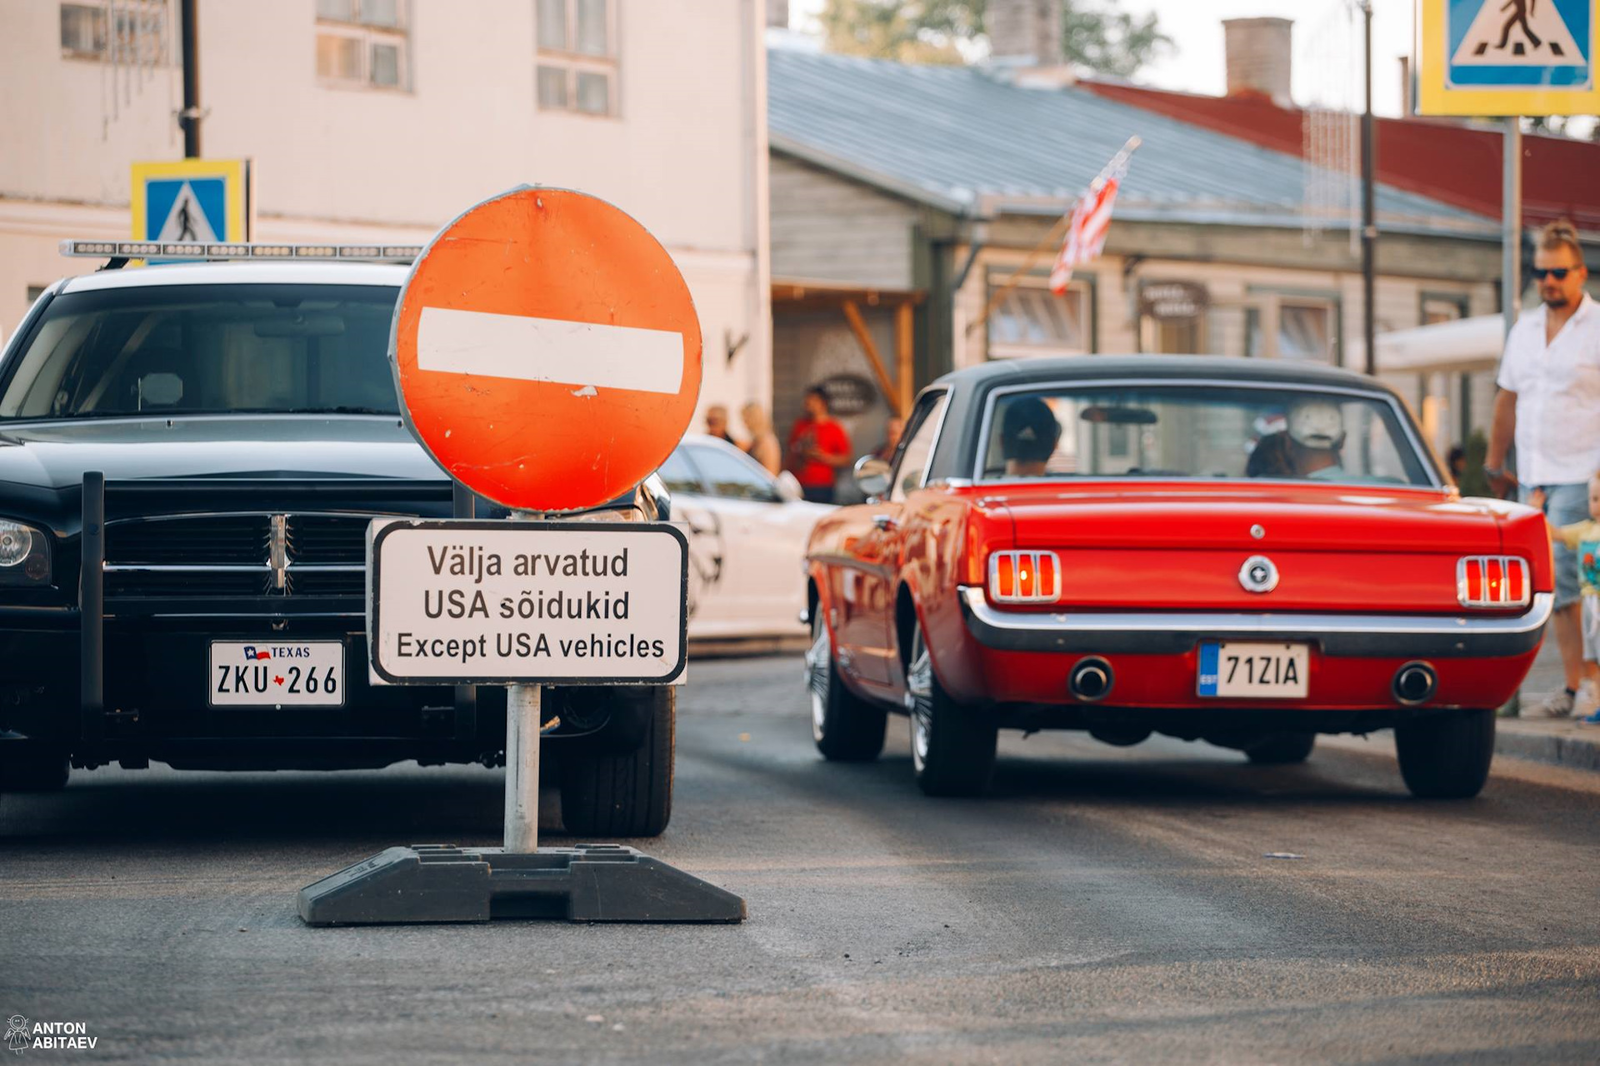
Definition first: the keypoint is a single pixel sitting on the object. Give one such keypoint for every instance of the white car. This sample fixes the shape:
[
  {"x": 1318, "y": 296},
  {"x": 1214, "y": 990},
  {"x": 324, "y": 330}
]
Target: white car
[{"x": 747, "y": 536}]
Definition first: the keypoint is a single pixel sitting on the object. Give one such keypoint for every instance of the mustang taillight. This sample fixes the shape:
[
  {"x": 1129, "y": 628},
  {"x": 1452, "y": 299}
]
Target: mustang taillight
[
  {"x": 1493, "y": 581},
  {"x": 1024, "y": 577}
]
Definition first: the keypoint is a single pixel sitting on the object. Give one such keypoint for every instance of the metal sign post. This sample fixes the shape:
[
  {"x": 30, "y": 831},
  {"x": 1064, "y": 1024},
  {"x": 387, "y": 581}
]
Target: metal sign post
[{"x": 547, "y": 355}]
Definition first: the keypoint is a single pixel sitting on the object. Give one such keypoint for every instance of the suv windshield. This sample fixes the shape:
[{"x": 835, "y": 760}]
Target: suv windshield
[
  {"x": 205, "y": 349},
  {"x": 1188, "y": 431}
]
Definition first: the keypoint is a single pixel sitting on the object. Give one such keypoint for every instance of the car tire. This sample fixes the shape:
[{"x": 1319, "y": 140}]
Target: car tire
[
  {"x": 846, "y": 727},
  {"x": 626, "y": 794},
  {"x": 33, "y": 771},
  {"x": 1446, "y": 756},
  {"x": 1281, "y": 749},
  {"x": 952, "y": 745}
]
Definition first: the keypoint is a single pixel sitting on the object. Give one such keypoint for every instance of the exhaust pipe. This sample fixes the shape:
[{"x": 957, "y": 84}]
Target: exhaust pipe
[
  {"x": 1091, "y": 679},
  {"x": 1414, "y": 683}
]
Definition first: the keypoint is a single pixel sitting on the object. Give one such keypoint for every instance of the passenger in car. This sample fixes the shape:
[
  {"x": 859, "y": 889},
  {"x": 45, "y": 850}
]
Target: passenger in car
[
  {"x": 1029, "y": 434},
  {"x": 1316, "y": 432}
]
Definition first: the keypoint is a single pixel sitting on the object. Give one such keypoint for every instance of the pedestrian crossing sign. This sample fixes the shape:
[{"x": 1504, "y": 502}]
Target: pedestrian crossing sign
[
  {"x": 1507, "y": 57},
  {"x": 206, "y": 200}
]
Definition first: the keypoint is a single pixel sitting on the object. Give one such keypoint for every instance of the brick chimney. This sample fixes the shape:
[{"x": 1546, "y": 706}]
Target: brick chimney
[
  {"x": 778, "y": 14},
  {"x": 1258, "y": 52},
  {"x": 1025, "y": 42}
]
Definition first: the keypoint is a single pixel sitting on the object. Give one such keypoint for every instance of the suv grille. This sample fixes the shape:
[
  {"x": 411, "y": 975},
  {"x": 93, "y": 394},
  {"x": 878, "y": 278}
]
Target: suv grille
[{"x": 234, "y": 555}]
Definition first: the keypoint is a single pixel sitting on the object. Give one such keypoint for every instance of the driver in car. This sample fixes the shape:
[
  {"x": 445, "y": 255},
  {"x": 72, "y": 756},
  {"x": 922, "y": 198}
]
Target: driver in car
[
  {"x": 1316, "y": 437},
  {"x": 1029, "y": 433}
]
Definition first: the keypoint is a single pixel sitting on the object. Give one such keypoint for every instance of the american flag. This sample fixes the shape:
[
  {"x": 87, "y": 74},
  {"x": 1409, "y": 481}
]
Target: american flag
[{"x": 1091, "y": 221}]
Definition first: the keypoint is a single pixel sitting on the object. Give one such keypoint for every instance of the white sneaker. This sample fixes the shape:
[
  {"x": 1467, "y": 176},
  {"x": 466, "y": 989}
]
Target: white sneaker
[
  {"x": 1556, "y": 706},
  {"x": 1588, "y": 701}
]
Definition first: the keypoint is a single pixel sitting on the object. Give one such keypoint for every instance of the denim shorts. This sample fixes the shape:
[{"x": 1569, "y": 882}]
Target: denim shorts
[{"x": 1564, "y": 505}]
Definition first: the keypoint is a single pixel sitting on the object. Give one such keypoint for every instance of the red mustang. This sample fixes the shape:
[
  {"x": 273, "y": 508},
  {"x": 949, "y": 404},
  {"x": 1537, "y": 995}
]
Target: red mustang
[{"x": 1243, "y": 552}]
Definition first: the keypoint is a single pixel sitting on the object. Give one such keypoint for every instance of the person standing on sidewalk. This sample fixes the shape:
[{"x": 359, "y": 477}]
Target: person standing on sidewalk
[
  {"x": 1549, "y": 402},
  {"x": 1583, "y": 539},
  {"x": 818, "y": 447}
]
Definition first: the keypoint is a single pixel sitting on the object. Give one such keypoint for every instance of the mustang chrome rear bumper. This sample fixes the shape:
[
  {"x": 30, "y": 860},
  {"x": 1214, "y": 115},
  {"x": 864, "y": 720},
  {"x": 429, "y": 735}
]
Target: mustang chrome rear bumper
[{"x": 1177, "y": 632}]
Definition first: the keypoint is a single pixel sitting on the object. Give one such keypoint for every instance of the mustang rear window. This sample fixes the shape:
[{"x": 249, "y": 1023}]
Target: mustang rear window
[
  {"x": 1192, "y": 431},
  {"x": 203, "y": 349}
]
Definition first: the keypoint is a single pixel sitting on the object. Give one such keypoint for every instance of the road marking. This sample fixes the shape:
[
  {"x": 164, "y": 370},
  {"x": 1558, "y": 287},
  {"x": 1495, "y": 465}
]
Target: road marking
[{"x": 549, "y": 349}]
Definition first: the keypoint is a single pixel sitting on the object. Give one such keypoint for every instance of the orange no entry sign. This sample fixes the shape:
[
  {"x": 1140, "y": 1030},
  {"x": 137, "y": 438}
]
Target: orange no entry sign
[{"x": 547, "y": 350}]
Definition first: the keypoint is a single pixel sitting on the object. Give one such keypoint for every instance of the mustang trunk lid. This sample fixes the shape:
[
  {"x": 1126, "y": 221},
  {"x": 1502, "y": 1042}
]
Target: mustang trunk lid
[{"x": 1336, "y": 548}]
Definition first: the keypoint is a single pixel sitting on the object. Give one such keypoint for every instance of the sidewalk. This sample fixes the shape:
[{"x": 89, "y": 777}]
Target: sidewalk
[{"x": 1564, "y": 742}]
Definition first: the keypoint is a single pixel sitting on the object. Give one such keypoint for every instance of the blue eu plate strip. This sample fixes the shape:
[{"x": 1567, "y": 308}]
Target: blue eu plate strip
[{"x": 1209, "y": 656}]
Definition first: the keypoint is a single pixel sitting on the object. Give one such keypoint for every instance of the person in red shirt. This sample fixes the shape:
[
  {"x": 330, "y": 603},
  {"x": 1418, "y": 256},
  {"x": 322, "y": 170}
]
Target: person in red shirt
[{"x": 818, "y": 447}]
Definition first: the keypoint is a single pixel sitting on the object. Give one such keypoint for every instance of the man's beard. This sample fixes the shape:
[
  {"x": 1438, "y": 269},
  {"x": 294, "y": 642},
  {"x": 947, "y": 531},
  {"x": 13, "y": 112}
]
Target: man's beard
[{"x": 1558, "y": 300}]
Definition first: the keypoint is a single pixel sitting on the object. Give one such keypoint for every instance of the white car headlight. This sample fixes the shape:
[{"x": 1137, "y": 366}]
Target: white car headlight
[{"x": 24, "y": 554}]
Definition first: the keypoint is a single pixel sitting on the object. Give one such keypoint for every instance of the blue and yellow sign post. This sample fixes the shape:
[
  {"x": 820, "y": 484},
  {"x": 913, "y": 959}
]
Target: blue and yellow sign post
[
  {"x": 204, "y": 200},
  {"x": 1508, "y": 58}
]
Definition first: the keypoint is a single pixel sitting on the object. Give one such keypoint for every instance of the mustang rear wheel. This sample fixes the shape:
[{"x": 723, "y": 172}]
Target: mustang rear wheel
[
  {"x": 1282, "y": 748},
  {"x": 846, "y": 727},
  {"x": 1446, "y": 755},
  {"x": 952, "y": 745}
]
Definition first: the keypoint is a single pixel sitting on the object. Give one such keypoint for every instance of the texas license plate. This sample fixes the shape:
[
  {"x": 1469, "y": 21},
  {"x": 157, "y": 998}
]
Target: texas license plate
[
  {"x": 1253, "y": 671},
  {"x": 277, "y": 673}
]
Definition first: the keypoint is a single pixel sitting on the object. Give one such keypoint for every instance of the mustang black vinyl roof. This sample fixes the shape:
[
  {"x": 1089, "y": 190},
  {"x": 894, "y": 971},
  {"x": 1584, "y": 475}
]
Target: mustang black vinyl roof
[{"x": 1172, "y": 367}]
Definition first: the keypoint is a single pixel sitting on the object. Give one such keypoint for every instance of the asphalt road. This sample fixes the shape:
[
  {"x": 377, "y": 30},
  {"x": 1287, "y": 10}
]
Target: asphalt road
[{"x": 1114, "y": 905}]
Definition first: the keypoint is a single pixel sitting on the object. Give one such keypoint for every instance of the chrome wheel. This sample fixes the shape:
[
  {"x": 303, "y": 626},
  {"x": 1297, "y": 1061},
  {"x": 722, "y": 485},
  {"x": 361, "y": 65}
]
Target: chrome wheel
[
  {"x": 919, "y": 698},
  {"x": 819, "y": 661}
]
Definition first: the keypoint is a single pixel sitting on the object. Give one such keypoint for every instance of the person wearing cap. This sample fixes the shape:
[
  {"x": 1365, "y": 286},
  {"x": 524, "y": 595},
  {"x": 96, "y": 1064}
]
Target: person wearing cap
[
  {"x": 1316, "y": 440},
  {"x": 1029, "y": 433},
  {"x": 1549, "y": 403}
]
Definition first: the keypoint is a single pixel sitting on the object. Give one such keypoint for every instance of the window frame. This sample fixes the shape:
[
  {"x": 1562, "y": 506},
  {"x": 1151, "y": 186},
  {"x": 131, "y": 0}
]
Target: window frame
[
  {"x": 370, "y": 35},
  {"x": 919, "y": 416},
  {"x": 1263, "y": 299},
  {"x": 1408, "y": 427},
  {"x": 574, "y": 63},
  {"x": 164, "y": 34},
  {"x": 1082, "y": 286},
  {"x": 741, "y": 460}
]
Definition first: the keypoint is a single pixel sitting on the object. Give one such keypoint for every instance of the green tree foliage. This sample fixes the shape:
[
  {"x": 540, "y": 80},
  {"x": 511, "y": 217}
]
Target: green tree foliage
[{"x": 1097, "y": 35}]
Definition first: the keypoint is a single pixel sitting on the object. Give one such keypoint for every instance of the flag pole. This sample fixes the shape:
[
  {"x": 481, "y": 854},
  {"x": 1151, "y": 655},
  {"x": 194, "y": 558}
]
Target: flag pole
[{"x": 1050, "y": 238}]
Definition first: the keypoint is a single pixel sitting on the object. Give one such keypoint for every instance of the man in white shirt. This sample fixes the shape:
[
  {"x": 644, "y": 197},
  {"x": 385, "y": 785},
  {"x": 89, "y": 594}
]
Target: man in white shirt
[{"x": 1550, "y": 402}]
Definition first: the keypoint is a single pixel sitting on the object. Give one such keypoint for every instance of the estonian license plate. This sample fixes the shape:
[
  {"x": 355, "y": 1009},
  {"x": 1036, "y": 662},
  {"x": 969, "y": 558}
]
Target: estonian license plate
[
  {"x": 1253, "y": 671},
  {"x": 277, "y": 673}
]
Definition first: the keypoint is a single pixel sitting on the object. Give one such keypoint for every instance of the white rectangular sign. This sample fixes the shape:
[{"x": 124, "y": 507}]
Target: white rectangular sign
[
  {"x": 587, "y": 354},
  {"x": 483, "y": 603}
]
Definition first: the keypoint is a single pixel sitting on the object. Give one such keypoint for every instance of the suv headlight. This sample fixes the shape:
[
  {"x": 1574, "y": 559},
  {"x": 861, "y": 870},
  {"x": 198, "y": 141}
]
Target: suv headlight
[{"x": 24, "y": 554}]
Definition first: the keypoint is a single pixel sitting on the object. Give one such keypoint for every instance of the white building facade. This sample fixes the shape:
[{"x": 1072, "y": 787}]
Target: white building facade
[{"x": 381, "y": 120}]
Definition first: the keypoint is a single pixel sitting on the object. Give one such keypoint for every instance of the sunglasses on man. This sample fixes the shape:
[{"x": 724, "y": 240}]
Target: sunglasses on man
[{"x": 1559, "y": 273}]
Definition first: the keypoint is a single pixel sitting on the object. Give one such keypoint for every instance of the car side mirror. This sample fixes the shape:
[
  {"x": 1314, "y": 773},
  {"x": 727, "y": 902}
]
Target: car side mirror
[
  {"x": 789, "y": 489},
  {"x": 872, "y": 475}
]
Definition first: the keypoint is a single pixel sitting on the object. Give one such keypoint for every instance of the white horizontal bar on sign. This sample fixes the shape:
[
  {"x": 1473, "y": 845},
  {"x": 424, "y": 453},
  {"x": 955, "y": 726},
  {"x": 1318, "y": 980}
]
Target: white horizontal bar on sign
[{"x": 549, "y": 349}]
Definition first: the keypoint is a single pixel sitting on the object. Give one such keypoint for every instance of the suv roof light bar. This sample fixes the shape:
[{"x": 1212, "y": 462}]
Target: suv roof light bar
[{"x": 200, "y": 251}]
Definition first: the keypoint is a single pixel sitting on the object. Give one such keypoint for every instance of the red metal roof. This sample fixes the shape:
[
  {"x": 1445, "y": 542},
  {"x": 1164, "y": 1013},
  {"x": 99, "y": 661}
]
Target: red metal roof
[{"x": 1448, "y": 161}]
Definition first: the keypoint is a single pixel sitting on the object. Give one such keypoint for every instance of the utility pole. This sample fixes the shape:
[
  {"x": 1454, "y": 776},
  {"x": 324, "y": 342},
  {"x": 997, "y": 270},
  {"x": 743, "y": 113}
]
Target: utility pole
[
  {"x": 1369, "y": 225},
  {"x": 189, "y": 117}
]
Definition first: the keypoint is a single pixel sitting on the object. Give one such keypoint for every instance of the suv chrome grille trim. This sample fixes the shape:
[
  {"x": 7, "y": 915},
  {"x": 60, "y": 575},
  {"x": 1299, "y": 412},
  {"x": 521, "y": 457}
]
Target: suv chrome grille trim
[{"x": 237, "y": 554}]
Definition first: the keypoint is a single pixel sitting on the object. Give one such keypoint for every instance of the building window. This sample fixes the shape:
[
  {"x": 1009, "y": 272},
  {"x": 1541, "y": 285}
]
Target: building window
[
  {"x": 364, "y": 43},
  {"x": 1437, "y": 307},
  {"x": 1031, "y": 320},
  {"x": 130, "y": 32},
  {"x": 577, "y": 67},
  {"x": 1306, "y": 331}
]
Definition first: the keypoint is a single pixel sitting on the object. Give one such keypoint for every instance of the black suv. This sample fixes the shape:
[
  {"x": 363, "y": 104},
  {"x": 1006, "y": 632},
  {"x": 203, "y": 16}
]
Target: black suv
[{"x": 189, "y": 459}]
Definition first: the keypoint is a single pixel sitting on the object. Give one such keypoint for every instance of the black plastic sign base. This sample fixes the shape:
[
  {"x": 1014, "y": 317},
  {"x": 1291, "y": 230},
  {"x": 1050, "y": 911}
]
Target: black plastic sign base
[{"x": 442, "y": 883}]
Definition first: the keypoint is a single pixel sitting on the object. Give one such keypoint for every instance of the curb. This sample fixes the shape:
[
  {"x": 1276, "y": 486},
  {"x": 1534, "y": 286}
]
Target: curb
[{"x": 1569, "y": 749}]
